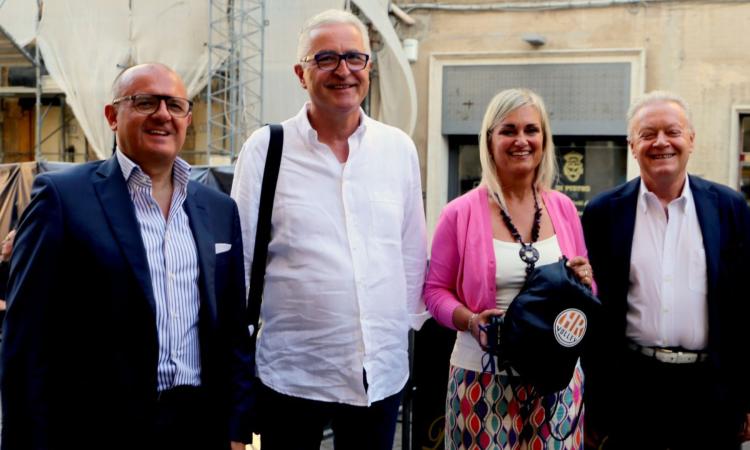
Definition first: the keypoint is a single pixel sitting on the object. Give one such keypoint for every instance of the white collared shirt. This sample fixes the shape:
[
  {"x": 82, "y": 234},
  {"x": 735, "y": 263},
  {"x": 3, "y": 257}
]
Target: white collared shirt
[
  {"x": 346, "y": 261},
  {"x": 667, "y": 304}
]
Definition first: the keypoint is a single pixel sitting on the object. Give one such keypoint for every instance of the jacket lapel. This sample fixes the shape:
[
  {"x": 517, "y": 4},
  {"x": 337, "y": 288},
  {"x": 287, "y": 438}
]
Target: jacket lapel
[
  {"x": 205, "y": 244},
  {"x": 112, "y": 190},
  {"x": 623, "y": 213},
  {"x": 706, "y": 201}
]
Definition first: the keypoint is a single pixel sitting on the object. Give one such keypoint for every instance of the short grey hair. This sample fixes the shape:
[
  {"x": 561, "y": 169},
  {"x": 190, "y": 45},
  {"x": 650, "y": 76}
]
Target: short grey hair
[
  {"x": 329, "y": 17},
  {"x": 499, "y": 108},
  {"x": 657, "y": 97}
]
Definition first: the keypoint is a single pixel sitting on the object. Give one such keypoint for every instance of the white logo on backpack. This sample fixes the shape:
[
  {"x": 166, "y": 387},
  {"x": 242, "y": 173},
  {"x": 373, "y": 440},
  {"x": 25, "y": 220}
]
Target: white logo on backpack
[{"x": 570, "y": 327}]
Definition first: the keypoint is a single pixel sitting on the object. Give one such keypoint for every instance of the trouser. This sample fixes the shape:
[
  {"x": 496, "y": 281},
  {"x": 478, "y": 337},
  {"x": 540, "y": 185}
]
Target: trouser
[
  {"x": 670, "y": 406},
  {"x": 293, "y": 423},
  {"x": 185, "y": 420}
]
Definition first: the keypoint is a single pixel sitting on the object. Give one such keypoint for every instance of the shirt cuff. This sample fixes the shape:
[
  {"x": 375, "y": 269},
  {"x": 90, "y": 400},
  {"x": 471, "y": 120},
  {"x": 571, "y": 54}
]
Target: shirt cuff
[{"x": 417, "y": 320}]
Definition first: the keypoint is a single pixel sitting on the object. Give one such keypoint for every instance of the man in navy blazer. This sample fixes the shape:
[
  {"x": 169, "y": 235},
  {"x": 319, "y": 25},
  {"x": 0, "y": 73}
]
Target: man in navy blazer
[
  {"x": 671, "y": 257},
  {"x": 125, "y": 327}
]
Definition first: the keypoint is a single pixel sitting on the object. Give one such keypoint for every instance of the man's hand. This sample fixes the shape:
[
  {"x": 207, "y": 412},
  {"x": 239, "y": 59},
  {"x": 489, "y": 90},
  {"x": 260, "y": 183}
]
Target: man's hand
[
  {"x": 745, "y": 433},
  {"x": 593, "y": 439},
  {"x": 237, "y": 445},
  {"x": 6, "y": 247}
]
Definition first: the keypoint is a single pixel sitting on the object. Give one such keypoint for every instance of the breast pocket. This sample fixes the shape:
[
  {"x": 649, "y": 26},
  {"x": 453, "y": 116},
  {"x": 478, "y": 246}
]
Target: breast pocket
[
  {"x": 386, "y": 212},
  {"x": 697, "y": 271}
]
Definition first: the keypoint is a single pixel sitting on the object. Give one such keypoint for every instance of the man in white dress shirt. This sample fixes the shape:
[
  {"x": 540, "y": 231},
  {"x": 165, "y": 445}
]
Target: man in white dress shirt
[
  {"x": 670, "y": 258},
  {"x": 346, "y": 258}
]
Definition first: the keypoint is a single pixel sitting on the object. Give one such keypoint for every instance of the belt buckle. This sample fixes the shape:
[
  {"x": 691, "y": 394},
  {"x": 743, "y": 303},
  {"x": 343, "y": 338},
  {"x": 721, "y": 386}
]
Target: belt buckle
[
  {"x": 669, "y": 356},
  {"x": 675, "y": 357}
]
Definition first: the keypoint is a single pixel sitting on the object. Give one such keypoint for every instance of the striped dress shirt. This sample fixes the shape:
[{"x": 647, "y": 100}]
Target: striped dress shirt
[{"x": 173, "y": 266}]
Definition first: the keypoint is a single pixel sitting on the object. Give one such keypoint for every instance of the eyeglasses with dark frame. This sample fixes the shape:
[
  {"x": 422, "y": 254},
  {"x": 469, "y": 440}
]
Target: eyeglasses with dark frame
[
  {"x": 149, "y": 104},
  {"x": 330, "y": 61}
]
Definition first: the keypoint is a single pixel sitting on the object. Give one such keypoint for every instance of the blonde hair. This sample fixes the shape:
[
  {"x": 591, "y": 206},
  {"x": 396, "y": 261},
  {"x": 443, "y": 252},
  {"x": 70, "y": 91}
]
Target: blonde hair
[
  {"x": 499, "y": 108},
  {"x": 329, "y": 17}
]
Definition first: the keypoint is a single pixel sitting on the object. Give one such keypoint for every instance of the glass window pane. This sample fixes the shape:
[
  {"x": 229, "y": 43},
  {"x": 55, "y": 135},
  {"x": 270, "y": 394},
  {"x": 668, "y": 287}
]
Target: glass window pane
[
  {"x": 588, "y": 166},
  {"x": 745, "y": 155},
  {"x": 469, "y": 168}
]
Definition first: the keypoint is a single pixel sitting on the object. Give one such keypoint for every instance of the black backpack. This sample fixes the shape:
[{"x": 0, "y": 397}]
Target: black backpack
[
  {"x": 542, "y": 334},
  {"x": 544, "y": 329}
]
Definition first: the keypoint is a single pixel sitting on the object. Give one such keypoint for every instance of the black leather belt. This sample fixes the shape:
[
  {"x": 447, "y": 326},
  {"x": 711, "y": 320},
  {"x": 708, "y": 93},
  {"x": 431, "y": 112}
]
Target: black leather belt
[
  {"x": 669, "y": 355},
  {"x": 180, "y": 394}
]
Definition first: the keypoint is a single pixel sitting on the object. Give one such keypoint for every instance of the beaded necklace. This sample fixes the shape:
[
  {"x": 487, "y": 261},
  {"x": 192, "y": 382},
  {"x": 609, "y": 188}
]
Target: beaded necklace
[{"x": 528, "y": 253}]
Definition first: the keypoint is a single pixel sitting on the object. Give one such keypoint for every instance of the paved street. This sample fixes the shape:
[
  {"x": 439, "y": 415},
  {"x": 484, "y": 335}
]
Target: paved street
[{"x": 327, "y": 443}]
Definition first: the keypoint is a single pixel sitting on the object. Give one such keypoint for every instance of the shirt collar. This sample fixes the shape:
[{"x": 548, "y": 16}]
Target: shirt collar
[
  {"x": 645, "y": 196},
  {"x": 133, "y": 173},
  {"x": 311, "y": 135}
]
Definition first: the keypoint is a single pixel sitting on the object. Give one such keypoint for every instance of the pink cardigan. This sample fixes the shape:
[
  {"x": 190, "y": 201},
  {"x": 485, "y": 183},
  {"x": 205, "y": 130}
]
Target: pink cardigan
[{"x": 462, "y": 265}]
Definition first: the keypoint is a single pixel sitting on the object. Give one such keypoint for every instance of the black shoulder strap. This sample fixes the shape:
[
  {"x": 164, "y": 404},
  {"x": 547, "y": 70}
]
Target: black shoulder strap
[{"x": 263, "y": 231}]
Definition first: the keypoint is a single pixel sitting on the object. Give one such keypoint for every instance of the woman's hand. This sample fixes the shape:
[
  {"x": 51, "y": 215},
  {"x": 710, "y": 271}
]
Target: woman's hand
[
  {"x": 582, "y": 269},
  {"x": 480, "y": 320}
]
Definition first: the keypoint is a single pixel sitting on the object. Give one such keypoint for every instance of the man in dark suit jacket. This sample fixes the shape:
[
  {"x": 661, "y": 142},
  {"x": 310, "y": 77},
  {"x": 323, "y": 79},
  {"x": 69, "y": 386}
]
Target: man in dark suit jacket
[
  {"x": 125, "y": 327},
  {"x": 670, "y": 254}
]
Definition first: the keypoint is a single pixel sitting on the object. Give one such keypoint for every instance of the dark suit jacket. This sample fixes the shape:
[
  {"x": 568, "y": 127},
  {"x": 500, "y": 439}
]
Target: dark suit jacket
[
  {"x": 724, "y": 218},
  {"x": 4, "y": 269},
  {"x": 80, "y": 347}
]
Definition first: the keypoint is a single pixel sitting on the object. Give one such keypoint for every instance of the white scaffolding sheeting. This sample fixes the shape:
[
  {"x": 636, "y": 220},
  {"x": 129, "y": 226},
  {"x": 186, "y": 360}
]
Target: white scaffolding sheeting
[
  {"x": 398, "y": 90},
  {"x": 282, "y": 94},
  {"x": 18, "y": 19},
  {"x": 86, "y": 43}
]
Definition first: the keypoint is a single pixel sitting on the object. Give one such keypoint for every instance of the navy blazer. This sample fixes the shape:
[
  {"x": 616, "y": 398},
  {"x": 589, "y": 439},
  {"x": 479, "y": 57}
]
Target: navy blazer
[
  {"x": 80, "y": 343},
  {"x": 724, "y": 218}
]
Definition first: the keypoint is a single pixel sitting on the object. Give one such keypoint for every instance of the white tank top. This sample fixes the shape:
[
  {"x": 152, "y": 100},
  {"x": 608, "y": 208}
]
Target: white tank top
[{"x": 510, "y": 275}]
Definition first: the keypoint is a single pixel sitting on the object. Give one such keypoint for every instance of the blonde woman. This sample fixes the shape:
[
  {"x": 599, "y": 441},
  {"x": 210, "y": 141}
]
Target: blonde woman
[{"x": 484, "y": 245}]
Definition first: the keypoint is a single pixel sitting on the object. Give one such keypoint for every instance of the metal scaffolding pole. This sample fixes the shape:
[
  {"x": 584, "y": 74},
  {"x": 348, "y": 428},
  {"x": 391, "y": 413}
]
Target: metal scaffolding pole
[
  {"x": 38, "y": 64},
  {"x": 235, "y": 74}
]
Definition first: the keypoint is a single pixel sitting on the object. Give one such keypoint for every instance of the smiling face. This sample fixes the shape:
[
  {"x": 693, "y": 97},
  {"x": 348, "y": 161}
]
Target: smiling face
[
  {"x": 661, "y": 141},
  {"x": 339, "y": 92},
  {"x": 516, "y": 145},
  {"x": 150, "y": 140}
]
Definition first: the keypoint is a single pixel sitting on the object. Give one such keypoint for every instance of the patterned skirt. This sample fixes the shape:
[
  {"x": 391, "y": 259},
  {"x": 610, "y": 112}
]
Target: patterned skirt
[{"x": 486, "y": 412}]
